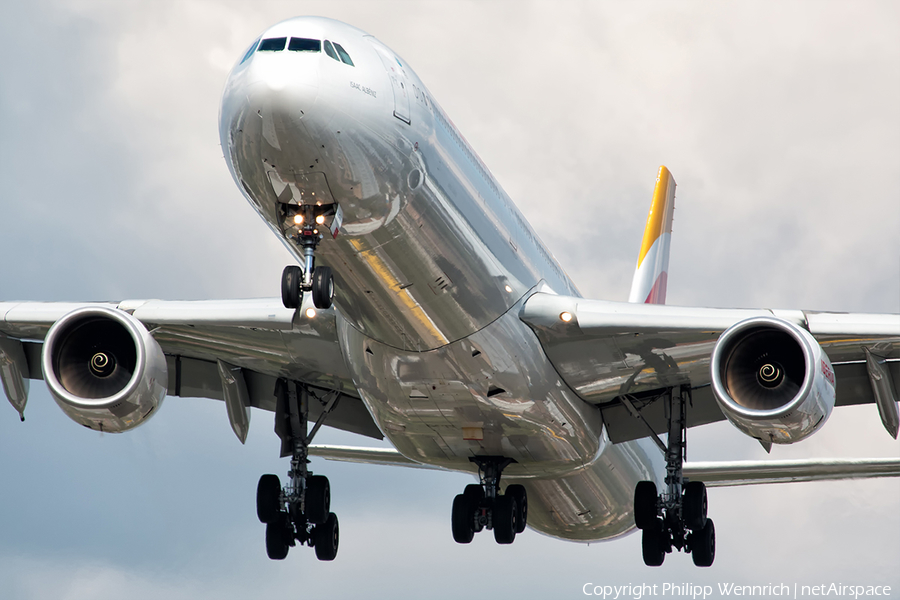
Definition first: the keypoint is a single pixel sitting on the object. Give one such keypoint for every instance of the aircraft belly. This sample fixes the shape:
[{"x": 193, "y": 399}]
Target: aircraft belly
[
  {"x": 594, "y": 503},
  {"x": 492, "y": 393}
]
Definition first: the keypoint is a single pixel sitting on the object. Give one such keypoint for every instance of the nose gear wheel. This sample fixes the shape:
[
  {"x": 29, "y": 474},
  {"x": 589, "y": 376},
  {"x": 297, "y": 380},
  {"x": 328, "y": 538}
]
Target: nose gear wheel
[{"x": 295, "y": 280}]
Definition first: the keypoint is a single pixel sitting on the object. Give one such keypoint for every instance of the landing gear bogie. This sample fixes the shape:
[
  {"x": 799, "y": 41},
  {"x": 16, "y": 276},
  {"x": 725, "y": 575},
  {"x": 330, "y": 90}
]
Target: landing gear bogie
[
  {"x": 677, "y": 517},
  {"x": 300, "y": 512},
  {"x": 482, "y": 506}
]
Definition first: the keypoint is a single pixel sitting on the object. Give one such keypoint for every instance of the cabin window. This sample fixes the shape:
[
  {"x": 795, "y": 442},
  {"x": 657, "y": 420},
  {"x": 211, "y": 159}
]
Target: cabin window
[
  {"x": 304, "y": 45},
  {"x": 345, "y": 58},
  {"x": 272, "y": 45}
]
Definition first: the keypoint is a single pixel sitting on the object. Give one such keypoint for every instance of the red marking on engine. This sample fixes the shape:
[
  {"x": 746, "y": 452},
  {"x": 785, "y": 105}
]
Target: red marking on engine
[{"x": 828, "y": 373}]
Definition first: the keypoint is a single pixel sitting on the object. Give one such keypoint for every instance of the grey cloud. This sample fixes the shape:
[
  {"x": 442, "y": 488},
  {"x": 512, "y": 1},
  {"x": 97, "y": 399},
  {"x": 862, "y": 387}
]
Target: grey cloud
[{"x": 781, "y": 131}]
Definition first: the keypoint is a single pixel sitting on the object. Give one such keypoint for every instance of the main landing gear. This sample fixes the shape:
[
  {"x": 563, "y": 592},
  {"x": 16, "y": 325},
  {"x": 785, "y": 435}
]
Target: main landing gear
[
  {"x": 676, "y": 517},
  {"x": 318, "y": 280},
  {"x": 300, "y": 512},
  {"x": 482, "y": 506}
]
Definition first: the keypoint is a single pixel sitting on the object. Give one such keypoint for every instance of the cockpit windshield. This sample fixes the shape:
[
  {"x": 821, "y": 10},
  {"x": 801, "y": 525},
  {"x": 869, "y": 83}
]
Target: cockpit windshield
[
  {"x": 305, "y": 45},
  {"x": 272, "y": 45},
  {"x": 332, "y": 49}
]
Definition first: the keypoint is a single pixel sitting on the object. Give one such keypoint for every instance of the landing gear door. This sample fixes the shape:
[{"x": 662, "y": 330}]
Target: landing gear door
[{"x": 397, "y": 74}]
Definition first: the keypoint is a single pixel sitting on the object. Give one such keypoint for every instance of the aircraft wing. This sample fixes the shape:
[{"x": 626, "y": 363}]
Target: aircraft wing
[
  {"x": 207, "y": 344},
  {"x": 622, "y": 356}
]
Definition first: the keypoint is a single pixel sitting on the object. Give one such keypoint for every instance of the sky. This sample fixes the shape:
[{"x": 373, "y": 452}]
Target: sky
[{"x": 778, "y": 121}]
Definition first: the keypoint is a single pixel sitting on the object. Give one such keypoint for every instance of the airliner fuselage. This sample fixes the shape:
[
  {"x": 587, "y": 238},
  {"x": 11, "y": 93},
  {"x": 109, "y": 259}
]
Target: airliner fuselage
[{"x": 432, "y": 261}]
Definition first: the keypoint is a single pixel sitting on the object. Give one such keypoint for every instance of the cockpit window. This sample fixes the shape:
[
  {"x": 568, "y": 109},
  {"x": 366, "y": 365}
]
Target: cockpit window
[
  {"x": 329, "y": 50},
  {"x": 304, "y": 45},
  {"x": 345, "y": 58},
  {"x": 272, "y": 44},
  {"x": 250, "y": 51}
]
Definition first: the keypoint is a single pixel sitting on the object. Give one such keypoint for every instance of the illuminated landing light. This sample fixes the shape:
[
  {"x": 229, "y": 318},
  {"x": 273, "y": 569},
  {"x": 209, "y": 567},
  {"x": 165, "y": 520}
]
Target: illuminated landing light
[
  {"x": 298, "y": 219},
  {"x": 310, "y": 313},
  {"x": 320, "y": 219},
  {"x": 508, "y": 290},
  {"x": 565, "y": 316}
]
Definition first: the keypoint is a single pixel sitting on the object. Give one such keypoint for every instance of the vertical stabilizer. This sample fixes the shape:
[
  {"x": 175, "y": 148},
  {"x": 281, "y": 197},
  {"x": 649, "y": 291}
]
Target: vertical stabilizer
[{"x": 651, "y": 273}]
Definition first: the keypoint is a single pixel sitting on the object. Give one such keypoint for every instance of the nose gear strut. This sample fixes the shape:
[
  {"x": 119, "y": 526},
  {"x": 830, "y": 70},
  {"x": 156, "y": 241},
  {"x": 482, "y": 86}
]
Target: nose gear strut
[{"x": 295, "y": 281}]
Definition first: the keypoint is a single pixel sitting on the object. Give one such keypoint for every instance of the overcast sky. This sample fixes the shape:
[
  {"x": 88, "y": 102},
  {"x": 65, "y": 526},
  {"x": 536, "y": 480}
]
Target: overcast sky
[{"x": 778, "y": 120}]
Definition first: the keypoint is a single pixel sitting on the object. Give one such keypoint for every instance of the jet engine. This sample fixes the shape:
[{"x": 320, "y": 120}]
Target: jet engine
[
  {"x": 772, "y": 380},
  {"x": 104, "y": 369}
]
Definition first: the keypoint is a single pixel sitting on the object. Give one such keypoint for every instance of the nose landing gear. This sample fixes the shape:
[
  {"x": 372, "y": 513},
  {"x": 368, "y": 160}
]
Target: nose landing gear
[
  {"x": 295, "y": 281},
  {"x": 483, "y": 506}
]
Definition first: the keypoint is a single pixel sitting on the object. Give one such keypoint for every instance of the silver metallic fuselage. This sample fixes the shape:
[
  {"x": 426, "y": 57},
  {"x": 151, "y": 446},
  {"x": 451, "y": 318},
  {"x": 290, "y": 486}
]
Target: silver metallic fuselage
[{"x": 432, "y": 263}]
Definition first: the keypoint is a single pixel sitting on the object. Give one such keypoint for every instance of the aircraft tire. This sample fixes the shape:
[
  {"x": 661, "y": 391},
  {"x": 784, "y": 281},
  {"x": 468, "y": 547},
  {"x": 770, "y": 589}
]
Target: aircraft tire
[
  {"x": 474, "y": 494},
  {"x": 461, "y": 520},
  {"x": 291, "y": 295},
  {"x": 695, "y": 505},
  {"x": 645, "y": 497},
  {"x": 318, "y": 499},
  {"x": 322, "y": 287},
  {"x": 652, "y": 544},
  {"x": 276, "y": 538},
  {"x": 327, "y": 537},
  {"x": 504, "y": 518},
  {"x": 268, "y": 493},
  {"x": 521, "y": 496},
  {"x": 703, "y": 545}
]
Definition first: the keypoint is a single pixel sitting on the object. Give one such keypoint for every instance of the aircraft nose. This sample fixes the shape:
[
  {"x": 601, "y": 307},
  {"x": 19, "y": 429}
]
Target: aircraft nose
[{"x": 271, "y": 93}]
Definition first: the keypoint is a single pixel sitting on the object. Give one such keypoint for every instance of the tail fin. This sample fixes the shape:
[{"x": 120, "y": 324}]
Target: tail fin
[{"x": 651, "y": 273}]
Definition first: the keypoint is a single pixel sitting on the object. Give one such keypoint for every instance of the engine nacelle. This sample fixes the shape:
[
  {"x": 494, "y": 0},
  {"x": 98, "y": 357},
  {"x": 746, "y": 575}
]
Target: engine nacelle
[
  {"x": 104, "y": 369},
  {"x": 772, "y": 380}
]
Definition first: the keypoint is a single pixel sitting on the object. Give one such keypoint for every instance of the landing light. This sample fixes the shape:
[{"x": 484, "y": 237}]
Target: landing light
[
  {"x": 565, "y": 316},
  {"x": 310, "y": 312},
  {"x": 508, "y": 290},
  {"x": 320, "y": 219},
  {"x": 298, "y": 219}
]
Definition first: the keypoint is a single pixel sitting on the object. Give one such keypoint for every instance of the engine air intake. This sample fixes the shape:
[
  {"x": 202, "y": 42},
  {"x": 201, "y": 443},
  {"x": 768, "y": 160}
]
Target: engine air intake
[{"x": 764, "y": 370}]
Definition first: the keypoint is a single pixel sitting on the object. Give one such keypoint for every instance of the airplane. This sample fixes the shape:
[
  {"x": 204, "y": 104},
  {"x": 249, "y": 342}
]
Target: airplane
[{"x": 454, "y": 333}]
